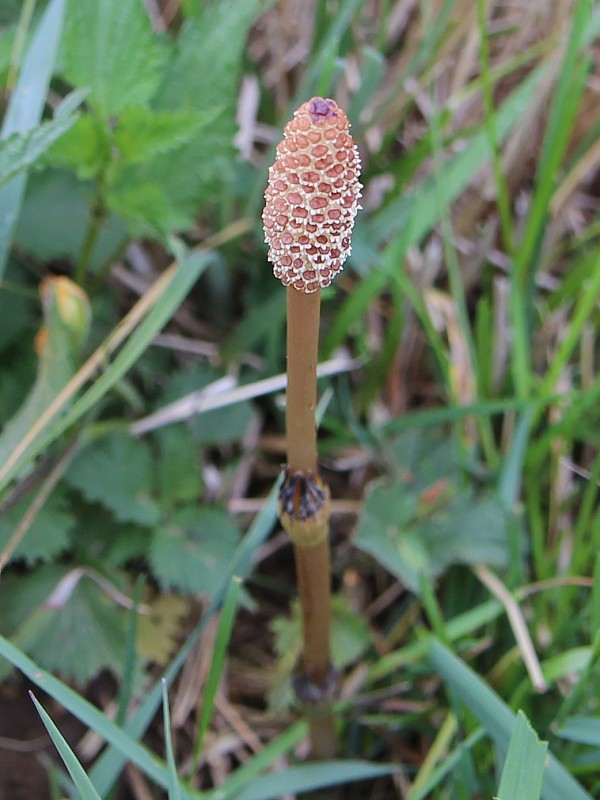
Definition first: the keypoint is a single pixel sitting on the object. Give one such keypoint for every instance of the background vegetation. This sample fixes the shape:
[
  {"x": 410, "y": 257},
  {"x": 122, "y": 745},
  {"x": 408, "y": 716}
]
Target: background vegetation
[{"x": 141, "y": 344}]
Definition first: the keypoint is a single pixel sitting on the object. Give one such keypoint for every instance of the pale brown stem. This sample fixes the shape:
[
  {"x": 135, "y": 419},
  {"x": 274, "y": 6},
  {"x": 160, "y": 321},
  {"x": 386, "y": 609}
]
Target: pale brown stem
[
  {"x": 303, "y": 314},
  {"x": 312, "y": 561},
  {"x": 313, "y": 575}
]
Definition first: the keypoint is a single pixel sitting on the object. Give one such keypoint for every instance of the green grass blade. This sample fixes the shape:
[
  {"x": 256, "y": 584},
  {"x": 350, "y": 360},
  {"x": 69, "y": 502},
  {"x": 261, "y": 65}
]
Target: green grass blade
[
  {"x": 584, "y": 730},
  {"x": 89, "y": 715},
  {"x": 174, "y": 788},
  {"x": 218, "y": 660},
  {"x": 308, "y": 777},
  {"x": 456, "y": 628},
  {"x": 424, "y": 789},
  {"x": 563, "y": 112},
  {"x": 499, "y": 720},
  {"x": 523, "y": 769},
  {"x": 83, "y": 784},
  {"x": 25, "y": 110},
  {"x": 245, "y": 774}
]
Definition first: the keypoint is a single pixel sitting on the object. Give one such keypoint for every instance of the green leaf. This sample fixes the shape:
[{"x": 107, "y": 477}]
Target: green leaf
[
  {"x": 192, "y": 551},
  {"x": 145, "y": 205},
  {"x": 217, "y": 664},
  {"x": 117, "y": 472},
  {"x": 85, "y": 148},
  {"x": 47, "y": 536},
  {"x": 427, "y": 517},
  {"x": 110, "y": 47},
  {"x": 82, "y": 783},
  {"x": 142, "y": 134},
  {"x": 25, "y": 110},
  {"x": 16, "y": 313},
  {"x": 202, "y": 77},
  {"x": 524, "y": 766},
  {"x": 82, "y": 634}
]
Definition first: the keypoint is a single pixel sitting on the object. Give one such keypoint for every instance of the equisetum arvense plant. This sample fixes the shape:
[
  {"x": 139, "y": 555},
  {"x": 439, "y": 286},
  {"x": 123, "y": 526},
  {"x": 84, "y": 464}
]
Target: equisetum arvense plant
[{"x": 311, "y": 202}]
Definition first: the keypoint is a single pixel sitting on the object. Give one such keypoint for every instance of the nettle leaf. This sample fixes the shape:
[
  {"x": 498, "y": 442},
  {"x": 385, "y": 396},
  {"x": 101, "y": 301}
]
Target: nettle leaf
[
  {"x": 48, "y": 534},
  {"x": 84, "y": 635},
  {"x": 117, "y": 472},
  {"x": 202, "y": 77},
  {"x": 204, "y": 71},
  {"x": 85, "y": 148},
  {"x": 191, "y": 551},
  {"x": 141, "y": 134},
  {"x": 427, "y": 516},
  {"x": 110, "y": 47},
  {"x": 100, "y": 537},
  {"x": 145, "y": 205},
  {"x": 76, "y": 639}
]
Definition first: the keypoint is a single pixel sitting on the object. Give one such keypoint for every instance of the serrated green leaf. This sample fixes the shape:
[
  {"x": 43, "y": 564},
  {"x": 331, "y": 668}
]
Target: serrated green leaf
[
  {"x": 85, "y": 148},
  {"x": 145, "y": 205},
  {"x": 47, "y": 536},
  {"x": 428, "y": 517},
  {"x": 142, "y": 134},
  {"x": 82, "y": 636},
  {"x": 523, "y": 769},
  {"x": 193, "y": 549},
  {"x": 117, "y": 472},
  {"x": 202, "y": 76},
  {"x": 204, "y": 71},
  {"x": 110, "y": 47}
]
